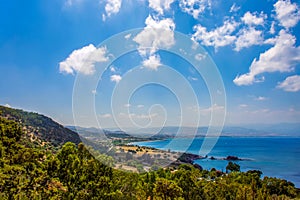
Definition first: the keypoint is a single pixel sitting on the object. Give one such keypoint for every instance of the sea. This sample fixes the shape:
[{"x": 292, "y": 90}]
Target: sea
[{"x": 274, "y": 156}]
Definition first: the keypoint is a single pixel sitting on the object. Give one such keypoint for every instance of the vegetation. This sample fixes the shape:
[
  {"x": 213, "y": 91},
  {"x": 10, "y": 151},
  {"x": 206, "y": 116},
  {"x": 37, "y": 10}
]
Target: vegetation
[
  {"x": 40, "y": 129},
  {"x": 73, "y": 173}
]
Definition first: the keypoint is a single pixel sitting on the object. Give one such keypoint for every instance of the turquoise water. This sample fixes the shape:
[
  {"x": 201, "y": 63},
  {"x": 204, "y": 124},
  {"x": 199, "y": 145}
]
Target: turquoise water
[{"x": 274, "y": 156}]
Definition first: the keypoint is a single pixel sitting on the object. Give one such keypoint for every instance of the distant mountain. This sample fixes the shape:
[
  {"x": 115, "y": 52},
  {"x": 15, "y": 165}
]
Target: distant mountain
[
  {"x": 39, "y": 128},
  {"x": 97, "y": 133},
  {"x": 283, "y": 129},
  {"x": 259, "y": 130}
]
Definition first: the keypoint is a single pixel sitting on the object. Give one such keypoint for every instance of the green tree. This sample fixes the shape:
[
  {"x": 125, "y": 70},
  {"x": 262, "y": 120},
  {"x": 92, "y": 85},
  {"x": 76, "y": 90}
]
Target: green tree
[
  {"x": 167, "y": 189},
  {"x": 233, "y": 167}
]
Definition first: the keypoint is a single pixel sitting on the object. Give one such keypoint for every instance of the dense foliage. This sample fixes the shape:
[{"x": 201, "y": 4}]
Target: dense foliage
[
  {"x": 42, "y": 127},
  {"x": 73, "y": 173}
]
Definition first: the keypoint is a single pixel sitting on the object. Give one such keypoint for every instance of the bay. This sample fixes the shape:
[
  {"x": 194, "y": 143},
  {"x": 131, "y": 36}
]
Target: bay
[{"x": 274, "y": 156}]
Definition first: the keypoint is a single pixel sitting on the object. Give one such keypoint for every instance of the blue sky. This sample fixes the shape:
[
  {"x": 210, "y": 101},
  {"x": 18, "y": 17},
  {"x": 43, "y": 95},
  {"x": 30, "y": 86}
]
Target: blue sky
[{"x": 47, "y": 47}]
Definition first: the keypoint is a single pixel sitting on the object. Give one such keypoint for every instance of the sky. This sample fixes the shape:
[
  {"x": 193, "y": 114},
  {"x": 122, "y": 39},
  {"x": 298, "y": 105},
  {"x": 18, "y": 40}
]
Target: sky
[{"x": 150, "y": 63}]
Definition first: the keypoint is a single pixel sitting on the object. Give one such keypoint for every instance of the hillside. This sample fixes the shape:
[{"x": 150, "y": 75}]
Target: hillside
[{"x": 40, "y": 129}]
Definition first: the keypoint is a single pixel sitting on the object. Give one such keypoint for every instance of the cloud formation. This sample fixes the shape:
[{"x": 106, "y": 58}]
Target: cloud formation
[
  {"x": 194, "y": 7},
  {"x": 260, "y": 98},
  {"x": 153, "y": 62},
  {"x": 282, "y": 57},
  {"x": 83, "y": 60},
  {"x": 115, "y": 78},
  {"x": 112, "y": 7},
  {"x": 160, "y": 5},
  {"x": 156, "y": 35},
  {"x": 253, "y": 18},
  {"x": 247, "y": 38},
  {"x": 287, "y": 13},
  {"x": 290, "y": 84},
  {"x": 219, "y": 37}
]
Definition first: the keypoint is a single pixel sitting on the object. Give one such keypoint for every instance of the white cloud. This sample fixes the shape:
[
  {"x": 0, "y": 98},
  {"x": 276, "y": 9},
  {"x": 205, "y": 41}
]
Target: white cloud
[
  {"x": 192, "y": 78},
  {"x": 282, "y": 57},
  {"x": 253, "y": 19},
  {"x": 194, "y": 7},
  {"x": 272, "y": 29},
  {"x": 127, "y": 105},
  {"x": 153, "y": 62},
  {"x": 111, "y": 7},
  {"x": 290, "y": 84},
  {"x": 248, "y": 37},
  {"x": 157, "y": 34},
  {"x": 234, "y": 8},
  {"x": 127, "y": 36},
  {"x": 112, "y": 69},
  {"x": 200, "y": 56},
  {"x": 287, "y": 13},
  {"x": 7, "y": 105},
  {"x": 212, "y": 108},
  {"x": 83, "y": 60},
  {"x": 260, "y": 98},
  {"x": 115, "y": 78},
  {"x": 140, "y": 106},
  {"x": 160, "y": 5},
  {"x": 219, "y": 37}
]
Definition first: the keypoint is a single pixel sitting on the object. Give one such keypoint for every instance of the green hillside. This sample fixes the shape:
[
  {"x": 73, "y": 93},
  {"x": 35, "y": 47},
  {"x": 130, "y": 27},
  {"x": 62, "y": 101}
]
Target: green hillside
[{"x": 40, "y": 129}]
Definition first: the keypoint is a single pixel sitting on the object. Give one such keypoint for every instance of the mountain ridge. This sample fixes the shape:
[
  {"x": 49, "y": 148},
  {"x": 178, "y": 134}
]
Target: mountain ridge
[{"x": 40, "y": 128}]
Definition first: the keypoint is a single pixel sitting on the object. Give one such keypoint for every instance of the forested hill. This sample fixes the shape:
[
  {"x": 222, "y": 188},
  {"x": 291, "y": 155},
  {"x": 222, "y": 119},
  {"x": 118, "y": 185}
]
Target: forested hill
[{"x": 39, "y": 128}]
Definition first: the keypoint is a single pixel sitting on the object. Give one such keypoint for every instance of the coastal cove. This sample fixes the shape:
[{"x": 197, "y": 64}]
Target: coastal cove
[{"x": 274, "y": 156}]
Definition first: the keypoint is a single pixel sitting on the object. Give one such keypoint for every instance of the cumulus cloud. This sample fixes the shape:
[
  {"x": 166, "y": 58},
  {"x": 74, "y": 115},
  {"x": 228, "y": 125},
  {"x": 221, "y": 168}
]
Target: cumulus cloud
[
  {"x": 282, "y": 57},
  {"x": 115, "y": 78},
  {"x": 248, "y": 37},
  {"x": 157, "y": 34},
  {"x": 7, "y": 105},
  {"x": 253, "y": 18},
  {"x": 194, "y": 7},
  {"x": 219, "y": 37},
  {"x": 111, "y": 7},
  {"x": 290, "y": 84},
  {"x": 153, "y": 62},
  {"x": 83, "y": 60},
  {"x": 160, "y": 5},
  {"x": 287, "y": 13}
]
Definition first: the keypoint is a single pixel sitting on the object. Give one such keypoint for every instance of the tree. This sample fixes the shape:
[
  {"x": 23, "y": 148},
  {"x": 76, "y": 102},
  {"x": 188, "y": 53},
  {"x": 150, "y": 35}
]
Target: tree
[
  {"x": 233, "y": 167},
  {"x": 167, "y": 189}
]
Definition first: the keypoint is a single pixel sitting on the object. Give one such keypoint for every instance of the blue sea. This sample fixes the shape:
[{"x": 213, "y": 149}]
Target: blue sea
[{"x": 274, "y": 156}]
